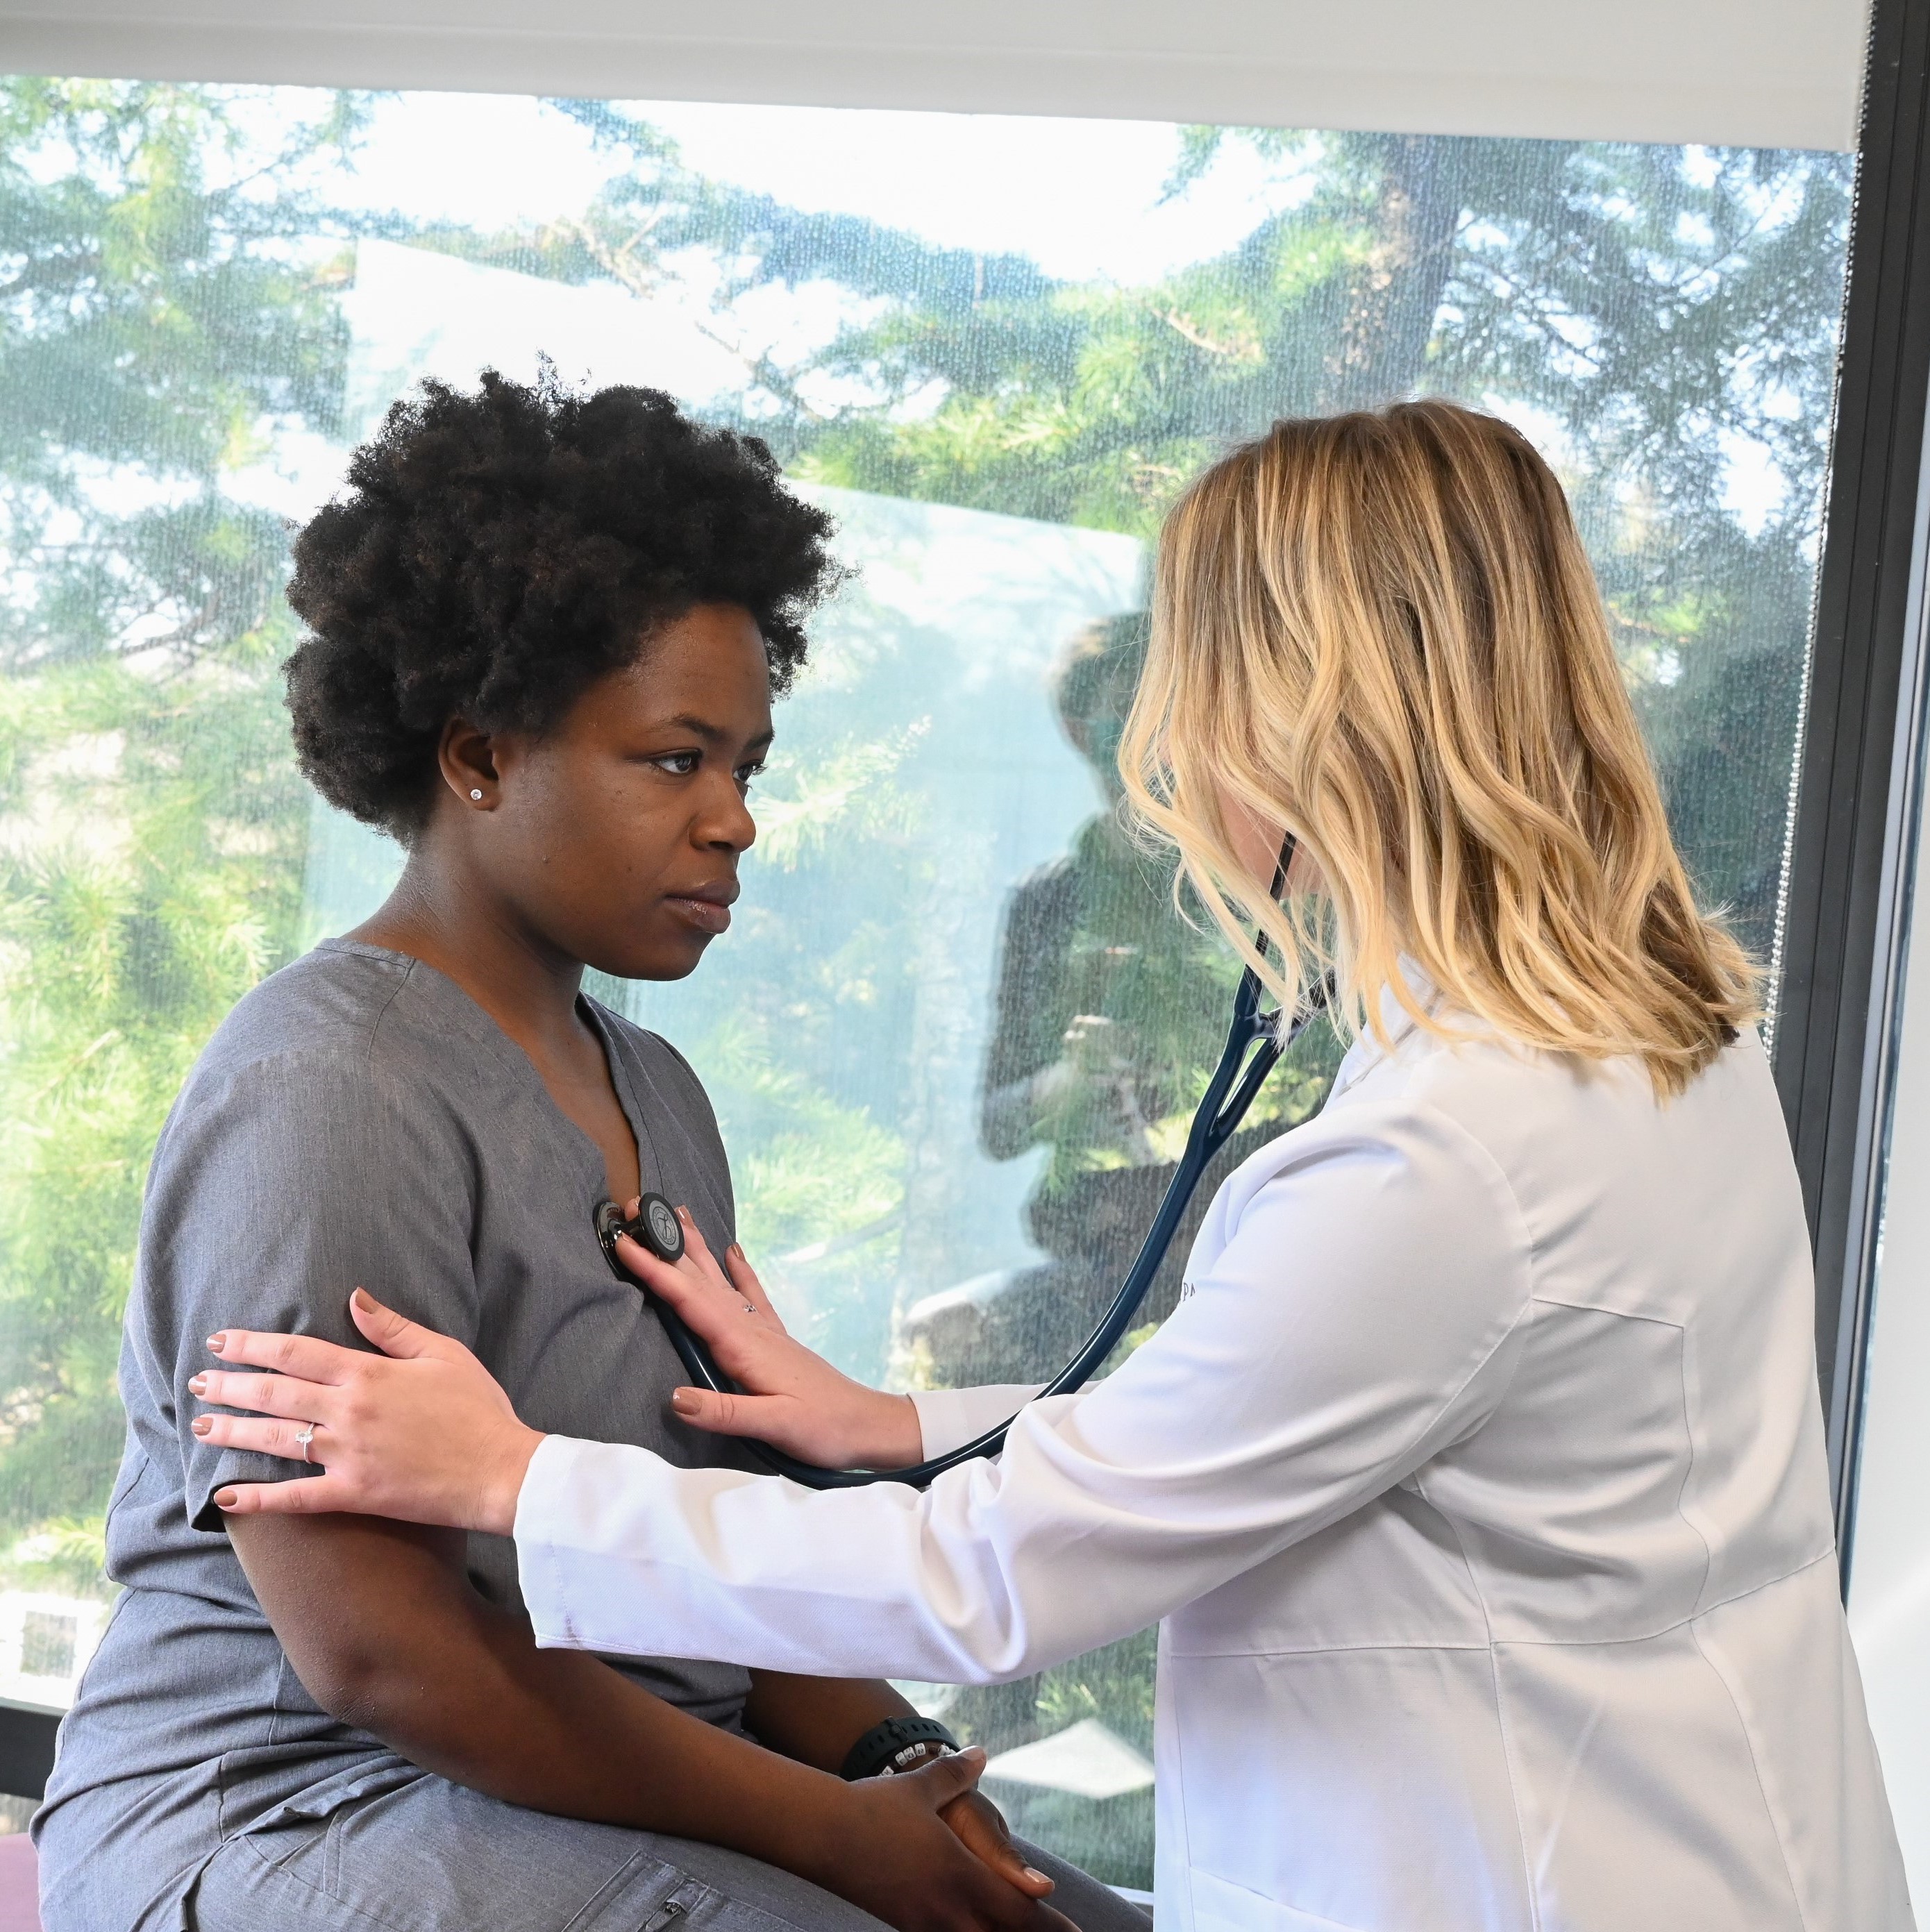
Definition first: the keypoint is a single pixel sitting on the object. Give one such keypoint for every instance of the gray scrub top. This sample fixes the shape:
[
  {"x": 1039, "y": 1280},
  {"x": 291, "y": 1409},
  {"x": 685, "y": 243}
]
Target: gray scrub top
[{"x": 357, "y": 1119}]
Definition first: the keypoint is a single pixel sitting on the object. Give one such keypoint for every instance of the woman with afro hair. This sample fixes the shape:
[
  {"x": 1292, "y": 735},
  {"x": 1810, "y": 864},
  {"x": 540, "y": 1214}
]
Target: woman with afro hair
[{"x": 545, "y": 629}]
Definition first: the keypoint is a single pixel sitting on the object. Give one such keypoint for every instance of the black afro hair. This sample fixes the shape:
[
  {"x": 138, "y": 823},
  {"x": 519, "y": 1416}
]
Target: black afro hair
[{"x": 495, "y": 554}]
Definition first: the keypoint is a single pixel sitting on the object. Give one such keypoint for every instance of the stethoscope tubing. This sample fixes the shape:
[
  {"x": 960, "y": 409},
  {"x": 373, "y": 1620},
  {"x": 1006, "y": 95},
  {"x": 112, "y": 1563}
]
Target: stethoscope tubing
[{"x": 1255, "y": 1042}]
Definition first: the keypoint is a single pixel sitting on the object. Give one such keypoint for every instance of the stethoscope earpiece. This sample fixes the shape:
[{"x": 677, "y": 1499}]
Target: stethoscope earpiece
[{"x": 655, "y": 1227}]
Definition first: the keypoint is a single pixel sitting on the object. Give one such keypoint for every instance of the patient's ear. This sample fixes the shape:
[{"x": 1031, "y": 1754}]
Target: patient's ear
[{"x": 471, "y": 764}]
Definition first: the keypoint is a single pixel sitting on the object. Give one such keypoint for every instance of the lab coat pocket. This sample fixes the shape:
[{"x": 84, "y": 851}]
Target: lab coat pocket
[{"x": 1326, "y": 1752}]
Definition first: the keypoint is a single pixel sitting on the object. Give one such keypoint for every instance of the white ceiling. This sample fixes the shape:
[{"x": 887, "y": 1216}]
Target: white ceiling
[{"x": 1755, "y": 73}]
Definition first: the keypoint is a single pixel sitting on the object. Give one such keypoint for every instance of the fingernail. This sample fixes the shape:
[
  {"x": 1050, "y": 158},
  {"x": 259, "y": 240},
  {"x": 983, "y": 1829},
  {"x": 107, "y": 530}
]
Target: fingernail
[
  {"x": 197, "y": 1385},
  {"x": 364, "y": 1300},
  {"x": 226, "y": 1499},
  {"x": 201, "y": 1423},
  {"x": 683, "y": 1213},
  {"x": 218, "y": 1342},
  {"x": 684, "y": 1401},
  {"x": 1033, "y": 1871},
  {"x": 736, "y": 1247}
]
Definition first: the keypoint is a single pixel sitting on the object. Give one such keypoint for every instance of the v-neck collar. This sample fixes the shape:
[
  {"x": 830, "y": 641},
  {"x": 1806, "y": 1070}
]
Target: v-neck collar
[{"x": 649, "y": 1170}]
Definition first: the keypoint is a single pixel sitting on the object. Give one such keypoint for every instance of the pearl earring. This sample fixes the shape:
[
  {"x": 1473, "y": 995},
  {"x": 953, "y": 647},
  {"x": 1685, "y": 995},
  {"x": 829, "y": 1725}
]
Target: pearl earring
[{"x": 477, "y": 795}]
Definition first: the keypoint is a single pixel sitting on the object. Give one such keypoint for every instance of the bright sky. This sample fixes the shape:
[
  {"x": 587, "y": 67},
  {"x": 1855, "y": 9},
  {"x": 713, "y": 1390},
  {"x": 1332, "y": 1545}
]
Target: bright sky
[{"x": 1082, "y": 198}]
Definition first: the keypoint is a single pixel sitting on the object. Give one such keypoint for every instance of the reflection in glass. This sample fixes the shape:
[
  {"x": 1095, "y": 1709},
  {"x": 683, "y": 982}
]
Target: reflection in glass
[
  {"x": 960, "y": 1021},
  {"x": 1108, "y": 1015}
]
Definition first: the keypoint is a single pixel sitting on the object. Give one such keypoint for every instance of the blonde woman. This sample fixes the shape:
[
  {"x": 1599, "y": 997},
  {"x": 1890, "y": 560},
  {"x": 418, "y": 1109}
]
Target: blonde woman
[{"x": 1478, "y": 1481}]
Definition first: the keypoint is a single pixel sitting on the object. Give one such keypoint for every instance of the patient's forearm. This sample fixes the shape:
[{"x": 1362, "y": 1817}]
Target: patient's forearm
[
  {"x": 817, "y": 1719},
  {"x": 386, "y": 1633}
]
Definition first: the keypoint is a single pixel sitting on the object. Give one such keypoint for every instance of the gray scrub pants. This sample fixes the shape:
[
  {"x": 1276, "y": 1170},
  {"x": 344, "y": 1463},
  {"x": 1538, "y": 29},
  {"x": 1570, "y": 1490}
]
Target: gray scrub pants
[{"x": 431, "y": 1856}]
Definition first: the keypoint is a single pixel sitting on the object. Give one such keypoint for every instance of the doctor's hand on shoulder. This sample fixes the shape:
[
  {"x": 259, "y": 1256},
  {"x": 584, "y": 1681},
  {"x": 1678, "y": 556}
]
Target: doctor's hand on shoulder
[{"x": 423, "y": 1432}]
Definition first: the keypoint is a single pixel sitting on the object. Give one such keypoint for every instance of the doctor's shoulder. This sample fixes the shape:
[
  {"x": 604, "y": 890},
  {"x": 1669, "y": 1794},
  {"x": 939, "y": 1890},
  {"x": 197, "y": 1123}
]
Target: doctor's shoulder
[
  {"x": 1590, "y": 1151},
  {"x": 1425, "y": 1117},
  {"x": 1380, "y": 1115}
]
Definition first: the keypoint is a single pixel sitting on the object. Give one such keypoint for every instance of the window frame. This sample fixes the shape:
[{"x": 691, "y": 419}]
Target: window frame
[
  {"x": 26, "y": 1749},
  {"x": 1858, "y": 796}
]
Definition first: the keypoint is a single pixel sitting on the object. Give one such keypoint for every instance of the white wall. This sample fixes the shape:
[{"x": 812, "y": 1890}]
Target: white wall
[
  {"x": 1752, "y": 73},
  {"x": 1889, "y": 1578}
]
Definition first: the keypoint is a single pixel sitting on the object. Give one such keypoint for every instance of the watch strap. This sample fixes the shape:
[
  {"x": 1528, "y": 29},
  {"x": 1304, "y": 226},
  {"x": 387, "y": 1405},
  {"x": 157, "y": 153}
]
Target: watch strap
[{"x": 881, "y": 1746}]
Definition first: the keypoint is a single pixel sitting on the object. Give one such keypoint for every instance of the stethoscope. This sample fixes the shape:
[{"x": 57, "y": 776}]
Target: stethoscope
[{"x": 1255, "y": 1042}]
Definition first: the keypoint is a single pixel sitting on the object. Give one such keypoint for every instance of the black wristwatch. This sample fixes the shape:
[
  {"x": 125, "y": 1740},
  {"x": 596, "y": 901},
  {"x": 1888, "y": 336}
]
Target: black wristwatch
[{"x": 895, "y": 1745}]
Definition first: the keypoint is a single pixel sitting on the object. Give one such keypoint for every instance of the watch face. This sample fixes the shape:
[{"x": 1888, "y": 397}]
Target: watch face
[{"x": 668, "y": 1235}]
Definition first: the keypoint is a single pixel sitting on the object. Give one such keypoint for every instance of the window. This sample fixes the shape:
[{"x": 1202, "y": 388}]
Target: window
[
  {"x": 957, "y": 1031},
  {"x": 47, "y": 1644}
]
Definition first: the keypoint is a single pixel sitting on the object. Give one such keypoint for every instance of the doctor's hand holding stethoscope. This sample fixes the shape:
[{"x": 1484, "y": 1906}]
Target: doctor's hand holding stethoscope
[{"x": 1477, "y": 1484}]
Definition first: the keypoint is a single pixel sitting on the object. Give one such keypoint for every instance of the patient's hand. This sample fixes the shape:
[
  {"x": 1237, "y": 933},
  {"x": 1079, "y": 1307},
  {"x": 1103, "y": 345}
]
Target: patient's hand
[
  {"x": 794, "y": 1399},
  {"x": 386, "y": 1632}
]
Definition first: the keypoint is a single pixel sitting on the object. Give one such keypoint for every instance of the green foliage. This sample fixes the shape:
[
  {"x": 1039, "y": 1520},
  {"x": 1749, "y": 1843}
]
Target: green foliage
[
  {"x": 164, "y": 315},
  {"x": 1655, "y": 313},
  {"x": 152, "y": 875},
  {"x": 821, "y": 1186},
  {"x": 63, "y": 1557},
  {"x": 168, "y": 312}
]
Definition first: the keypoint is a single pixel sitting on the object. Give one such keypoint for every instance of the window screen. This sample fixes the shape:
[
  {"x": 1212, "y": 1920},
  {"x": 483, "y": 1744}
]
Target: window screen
[{"x": 955, "y": 1034}]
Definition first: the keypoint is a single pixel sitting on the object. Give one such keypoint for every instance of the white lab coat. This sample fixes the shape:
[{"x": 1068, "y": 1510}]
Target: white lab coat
[{"x": 1477, "y": 1484}]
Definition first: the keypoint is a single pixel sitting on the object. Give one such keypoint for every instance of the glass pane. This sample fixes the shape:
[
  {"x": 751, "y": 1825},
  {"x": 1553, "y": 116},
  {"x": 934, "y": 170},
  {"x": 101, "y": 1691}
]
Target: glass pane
[{"x": 955, "y": 1034}]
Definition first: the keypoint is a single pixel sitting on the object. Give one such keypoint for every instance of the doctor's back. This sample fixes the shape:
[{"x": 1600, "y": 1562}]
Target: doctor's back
[{"x": 1591, "y": 1654}]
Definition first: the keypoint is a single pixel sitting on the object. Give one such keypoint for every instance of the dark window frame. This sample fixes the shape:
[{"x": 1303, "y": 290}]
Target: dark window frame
[
  {"x": 1858, "y": 800},
  {"x": 26, "y": 1749}
]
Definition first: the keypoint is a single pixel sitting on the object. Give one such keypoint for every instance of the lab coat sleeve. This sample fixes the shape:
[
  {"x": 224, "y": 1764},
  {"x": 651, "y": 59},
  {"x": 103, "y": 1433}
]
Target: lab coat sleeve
[
  {"x": 1359, "y": 1305},
  {"x": 949, "y": 1418}
]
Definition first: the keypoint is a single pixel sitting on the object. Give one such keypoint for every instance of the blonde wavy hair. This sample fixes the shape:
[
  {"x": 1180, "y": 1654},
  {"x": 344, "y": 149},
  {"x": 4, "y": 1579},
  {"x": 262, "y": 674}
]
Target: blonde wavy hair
[{"x": 1380, "y": 632}]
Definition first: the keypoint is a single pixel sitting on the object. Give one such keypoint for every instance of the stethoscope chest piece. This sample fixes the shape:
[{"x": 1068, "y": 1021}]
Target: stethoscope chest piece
[
  {"x": 1255, "y": 1041},
  {"x": 654, "y": 1226}
]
